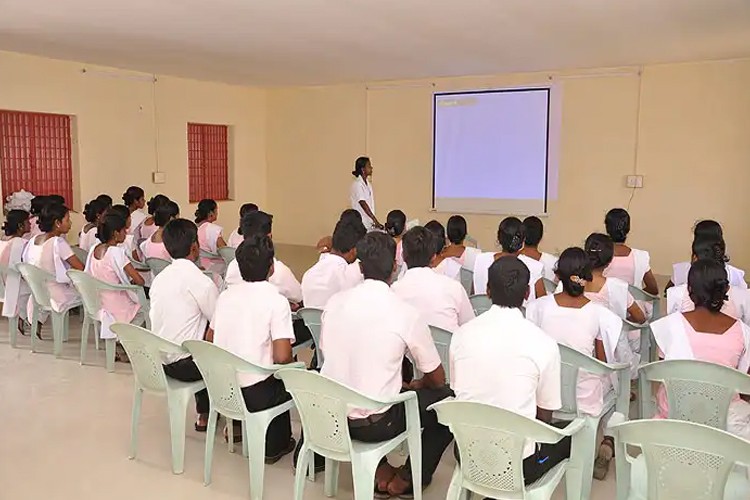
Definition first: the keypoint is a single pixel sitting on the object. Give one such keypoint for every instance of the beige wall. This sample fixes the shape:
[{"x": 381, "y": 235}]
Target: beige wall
[
  {"x": 688, "y": 136},
  {"x": 116, "y": 119}
]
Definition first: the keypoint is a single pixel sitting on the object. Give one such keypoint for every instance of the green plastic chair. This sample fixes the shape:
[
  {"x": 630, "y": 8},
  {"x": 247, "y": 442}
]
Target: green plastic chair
[
  {"x": 323, "y": 406},
  {"x": 490, "y": 442},
  {"x": 549, "y": 286},
  {"x": 648, "y": 351},
  {"x": 467, "y": 280},
  {"x": 227, "y": 253},
  {"x": 80, "y": 253},
  {"x": 139, "y": 266},
  {"x": 145, "y": 352},
  {"x": 573, "y": 362},
  {"x": 156, "y": 265},
  {"x": 312, "y": 319},
  {"x": 37, "y": 280},
  {"x": 697, "y": 391},
  {"x": 480, "y": 303},
  {"x": 683, "y": 459},
  {"x": 89, "y": 288},
  {"x": 219, "y": 369},
  {"x": 442, "y": 339},
  {"x": 6, "y": 271}
]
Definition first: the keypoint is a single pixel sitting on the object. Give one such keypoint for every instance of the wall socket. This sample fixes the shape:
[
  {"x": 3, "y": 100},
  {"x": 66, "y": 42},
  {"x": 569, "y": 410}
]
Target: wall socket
[{"x": 634, "y": 181}]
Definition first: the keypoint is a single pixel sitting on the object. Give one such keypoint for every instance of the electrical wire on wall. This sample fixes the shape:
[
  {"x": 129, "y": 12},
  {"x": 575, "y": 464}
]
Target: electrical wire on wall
[{"x": 637, "y": 134}]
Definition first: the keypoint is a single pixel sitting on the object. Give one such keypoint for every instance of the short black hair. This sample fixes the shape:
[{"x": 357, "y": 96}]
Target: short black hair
[
  {"x": 511, "y": 235},
  {"x": 255, "y": 257},
  {"x": 94, "y": 209},
  {"x": 418, "y": 246},
  {"x": 438, "y": 233},
  {"x": 573, "y": 262},
  {"x": 257, "y": 222},
  {"x": 351, "y": 214},
  {"x": 617, "y": 223},
  {"x": 178, "y": 237},
  {"x": 534, "y": 230},
  {"x": 14, "y": 221},
  {"x": 132, "y": 194},
  {"x": 708, "y": 229},
  {"x": 508, "y": 281},
  {"x": 51, "y": 213},
  {"x": 456, "y": 229},
  {"x": 395, "y": 223},
  {"x": 109, "y": 225},
  {"x": 165, "y": 213},
  {"x": 359, "y": 165},
  {"x": 710, "y": 248},
  {"x": 347, "y": 234},
  {"x": 377, "y": 254},
  {"x": 600, "y": 249},
  {"x": 708, "y": 285},
  {"x": 155, "y": 202}
]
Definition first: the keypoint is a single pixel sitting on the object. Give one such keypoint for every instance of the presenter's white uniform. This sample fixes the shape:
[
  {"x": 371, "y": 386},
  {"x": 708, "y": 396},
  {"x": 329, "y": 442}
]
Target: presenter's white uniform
[{"x": 362, "y": 191}]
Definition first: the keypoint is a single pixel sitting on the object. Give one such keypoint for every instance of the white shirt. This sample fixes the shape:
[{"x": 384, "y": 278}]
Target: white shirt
[
  {"x": 503, "y": 360},
  {"x": 469, "y": 257},
  {"x": 88, "y": 239},
  {"x": 248, "y": 318},
  {"x": 136, "y": 219},
  {"x": 365, "y": 334},
  {"x": 325, "y": 279},
  {"x": 361, "y": 190},
  {"x": 283, "y": 278},
  {"x": 485, "y": 260},
  {"x": 681, "y": 269},
  {"x": 441, "y": 301},
  {"x": 550, "y": 264},
  {"x": 235, "y": 239},
  {"x": 183, "y": 300}
]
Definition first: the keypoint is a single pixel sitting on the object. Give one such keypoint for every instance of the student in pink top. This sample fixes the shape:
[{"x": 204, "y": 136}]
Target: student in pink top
[
  {"x": 153, "y": 247},
  {"x": 210, "y": 236},
  {"x": 93, "y": 212},
  {"x": 37, "y": 205},
  {"x": 148, "y": 227},
  {"x": 16, "y": 296},
  {"x": 366, "y": 332},
  {"x": 629, "y": 264},
  {"x": 395, "y": 225},
  {"x": 134, "y": 199},
  {"x": 707, "y": 334},
  {"x": 236, "y": 238}
]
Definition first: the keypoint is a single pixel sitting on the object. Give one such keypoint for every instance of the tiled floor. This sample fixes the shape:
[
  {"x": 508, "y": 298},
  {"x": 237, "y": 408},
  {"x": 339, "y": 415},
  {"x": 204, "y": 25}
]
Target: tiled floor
[{"x": 65, "y": 435}]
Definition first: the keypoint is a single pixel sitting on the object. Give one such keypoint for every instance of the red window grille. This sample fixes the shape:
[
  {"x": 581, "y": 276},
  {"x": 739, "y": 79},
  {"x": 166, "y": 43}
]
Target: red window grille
[
  {"x": 35, "y": 154},
  {"x": 208, "y": 167}
]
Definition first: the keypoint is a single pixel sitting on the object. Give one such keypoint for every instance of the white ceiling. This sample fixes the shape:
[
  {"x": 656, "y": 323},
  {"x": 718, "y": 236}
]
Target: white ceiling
[{"x": 292, "y": 42}]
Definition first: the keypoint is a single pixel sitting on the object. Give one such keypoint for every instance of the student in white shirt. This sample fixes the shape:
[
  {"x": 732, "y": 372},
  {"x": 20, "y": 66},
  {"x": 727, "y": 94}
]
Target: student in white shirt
[
  {"x": 253, "y": 321},
  {"x": 135, "y": 199},
  {"x": 443, "y": 264},
  {"x": 511, "y": 236},
  {"x": 236, "y": 237},
  {"x": 501, "y": 359},
  {"x": 534, "y": 230},
  {"x": 329, "y": 275},
  {"x": 442, "y": 301},
  {"x": 183, "y": 300},
  {"x": 629, "y": 264},
  {"x": 361, "y": 196},
  {"x": 365, "y": 335},
  {"x": 93, "y": 212},
  {"x": 456, "y": 231}
]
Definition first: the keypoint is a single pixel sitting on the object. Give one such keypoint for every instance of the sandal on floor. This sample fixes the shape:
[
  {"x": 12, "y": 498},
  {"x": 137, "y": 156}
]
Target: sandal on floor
[
  {"x": 603, "y": 458},
  {"x": 275, "y": 458},
  {"x": 199, "y": 427},
  {"x": 381, "y": 493}
]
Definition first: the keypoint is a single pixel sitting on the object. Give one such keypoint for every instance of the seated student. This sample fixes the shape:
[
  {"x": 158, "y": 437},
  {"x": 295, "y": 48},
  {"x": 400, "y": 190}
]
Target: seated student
[
  {"x": 236, "y": 237},
  {"x": 628, "y": 264},
  {"x": 134, "y": 199},
  {"x": 148, "y": 226},
  {"x": 456, "y": 232},
  {"x": 324, "y": 243},
  {"x": 253, "y": 321},
  {"x": 93, "y": 212},
  {"x": 51, "y": 252},
  {"x": 37, "y": 205},
  {"x": 503, "y": 360},
  {"x": 709, "y": 230},
  {"x": 328, "y": 276},
  {"x": 511, "y": 236},
  {"x": 737, "y": 302},
  {"x": 366, "y": 332},
  {"x": 534, "y": 230},
  {"x": 128, "y": 244},
  {"x": 183, "y": 300},
  {"x": 443, "y": 263},
  {"x": 441, "y": 301},
  {"x": 707, "y": 334},
  {"x": 153, "y": 247},
  {"x": 573, "y": 320},
  {"x": 395, "y": 225},
  {"x": 16, "y": 296},
  {"x": 108, "y": 262},
  {"x": 210, "y": 238}
]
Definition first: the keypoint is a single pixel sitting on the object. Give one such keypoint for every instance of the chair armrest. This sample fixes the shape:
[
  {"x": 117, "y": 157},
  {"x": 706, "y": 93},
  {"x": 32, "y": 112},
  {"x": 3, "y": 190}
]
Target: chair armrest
[
  {"x": 634, "y": 325},
  {"x": 297, "y": 365},
  {"x": 270, "y": 370},
  {"x": 572, "y": 428}
]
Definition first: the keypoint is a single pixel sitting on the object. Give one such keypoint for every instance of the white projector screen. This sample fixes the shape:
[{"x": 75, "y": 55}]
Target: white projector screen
[{"x": 491, "y": 151}]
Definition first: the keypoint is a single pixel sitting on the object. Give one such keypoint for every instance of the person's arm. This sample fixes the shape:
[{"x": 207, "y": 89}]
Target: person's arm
[
  {"x": 282, "y": 332},
  {"x": 133, "y": 275},
  {"x": 366, "y": 208},
  {"x": 285, "y": 281},
  {"x": 544, "y": 415},
  {"x": 282, "y": 352},
  {"x": 599, "y": 351},
  {"x": 209, "y": 336},
  {"x": 649, "y": 283},
  {"x": 435, "y": 379},
  {"x": 324, "y": 244},
  {"x": 220, "y": 243},
  {"x": 465, "y": 311},
  {"x": 426, "y": 358},
  {"x": 74, "y": 263},
  {"x": 549, "y": 388},
  {"x": 635, "y": 314},
  {"x": 539, "y": 289}
]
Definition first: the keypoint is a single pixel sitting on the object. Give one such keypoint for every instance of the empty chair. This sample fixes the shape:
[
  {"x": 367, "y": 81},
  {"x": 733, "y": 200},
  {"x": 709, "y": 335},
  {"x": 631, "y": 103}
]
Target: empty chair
[
  {"x": 312, "y": 319},
  {"x": 219, "y": 369},
  {"x": 681, "y": 460},
  {"x": 324, "y": 405},
  {"x": 156, "y": 265},
  {"x": 490, "y": 443},
  {"x": 145, "y": 352},
  {"x": 480, "y": 303}
]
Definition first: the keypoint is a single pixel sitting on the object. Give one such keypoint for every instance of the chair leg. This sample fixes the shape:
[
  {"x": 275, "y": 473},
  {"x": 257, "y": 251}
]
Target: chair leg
[
  {"x": 230, "y": 434},
  {"x": 363, "y": 475},
  {"x": 13, "y": 331},
  {"x": 454, "y": 488},
  {"x": 331, "y": 477},
  {"x": 109, "y": 350},
  {"x": 245, "y": 441},
  {"x": 85, "y": 337},
  {"x": 580, "y": 471},
  {"x": 177, "y": 402},
  {"x": 300, "y": 472},
  {"x": 66, "y": 326},
  {"x": 256, "y": 432},
  {"x": 34, "y": 325},
  {"x": 415, "y": 453},
  {"x": 57, "y": 333},
  {"x": 97, "y": 332},
  {"x": 213, "y": 416},
  {"x": 137, "y": 399}
]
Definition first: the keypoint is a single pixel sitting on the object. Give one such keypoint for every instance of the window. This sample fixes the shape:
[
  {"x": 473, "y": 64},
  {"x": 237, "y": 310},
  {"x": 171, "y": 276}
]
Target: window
[
  {"x": 208, "y": 166},
  {"x": 35, "y": 154}
]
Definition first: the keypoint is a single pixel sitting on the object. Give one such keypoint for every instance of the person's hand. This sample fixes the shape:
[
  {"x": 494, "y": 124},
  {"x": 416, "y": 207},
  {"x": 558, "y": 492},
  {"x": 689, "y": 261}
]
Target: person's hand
[
  {"x": 416, "y": 384},
  {"x": 295, "y": 307}
]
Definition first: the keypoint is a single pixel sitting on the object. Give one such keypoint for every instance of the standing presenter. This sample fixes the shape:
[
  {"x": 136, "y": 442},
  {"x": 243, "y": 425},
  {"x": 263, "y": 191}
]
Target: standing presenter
[{"x": 361, "y": 195}]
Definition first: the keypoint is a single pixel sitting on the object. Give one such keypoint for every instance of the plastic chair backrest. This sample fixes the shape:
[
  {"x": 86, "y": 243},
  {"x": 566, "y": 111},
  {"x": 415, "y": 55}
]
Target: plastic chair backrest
[
  {"x": 490, "y": 442},
  {"x": 697, "y": 391},
  {"x": 442, "y": 339},
  {"x": 227, "y": 253},
  {"x": 145, "y": 353},
  {"x": 313, "y": 320},
  {"x": 683, "y": 459},
  {"x": 3, "y": 278},
  {"x": 88, "y": 288},
  {"x": 639, "y": 294},
  {"x": 37, "y": 279},
  {"x": 467, "y": 280},
  {"x": 480, "y": 303},
  {"x": 549, "y": 286},
  {"x": 156, "y": 265},
  {"x": 80, "y": 253}
]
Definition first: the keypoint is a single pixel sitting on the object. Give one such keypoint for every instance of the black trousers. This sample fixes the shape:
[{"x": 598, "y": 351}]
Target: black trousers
[
  {"x": 185, "y": 370},
  {"x": 435, "y": 436},
  {"x": 262, "y": 396},
  {"x": 301, "y": 332}
]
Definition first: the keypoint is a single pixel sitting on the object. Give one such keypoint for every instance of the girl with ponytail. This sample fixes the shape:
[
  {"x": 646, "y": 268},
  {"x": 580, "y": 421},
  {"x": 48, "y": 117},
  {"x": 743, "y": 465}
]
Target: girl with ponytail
[
  {"x": 629, "y": 264},
  {"x": 93, "y": 212},
  {"x": 210, "y": 237},
  {"x": 135, "y": 199}
]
